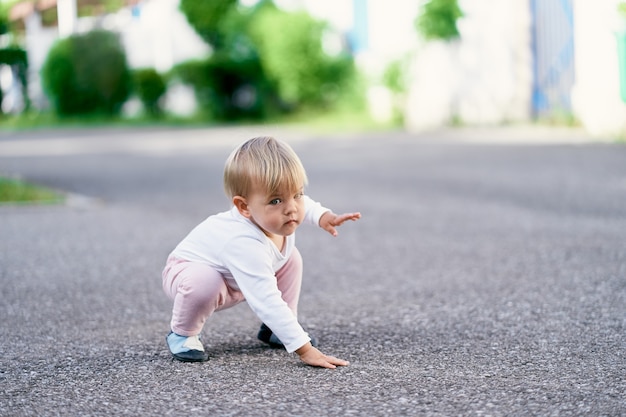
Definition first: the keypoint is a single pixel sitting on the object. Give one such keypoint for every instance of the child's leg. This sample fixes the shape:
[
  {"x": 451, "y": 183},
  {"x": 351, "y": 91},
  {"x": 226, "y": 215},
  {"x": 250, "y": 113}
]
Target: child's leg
[
  {"x": 289, "y": 279},
  {"x": 197, "y": 290}
]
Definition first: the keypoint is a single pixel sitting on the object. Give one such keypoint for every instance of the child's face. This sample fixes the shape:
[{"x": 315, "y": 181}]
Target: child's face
[{"x": 277, "y": 214}]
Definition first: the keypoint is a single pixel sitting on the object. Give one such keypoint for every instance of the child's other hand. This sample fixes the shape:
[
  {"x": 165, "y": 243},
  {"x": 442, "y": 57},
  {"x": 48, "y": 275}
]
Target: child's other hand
[
  {"x": 330, "y": 220},
  {"x": 311, "y": 356}
]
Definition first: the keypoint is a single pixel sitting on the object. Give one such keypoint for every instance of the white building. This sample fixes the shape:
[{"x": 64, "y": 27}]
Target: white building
[
  {"x": 516, "y": 60},
  {"x": 595, "y": 94}
]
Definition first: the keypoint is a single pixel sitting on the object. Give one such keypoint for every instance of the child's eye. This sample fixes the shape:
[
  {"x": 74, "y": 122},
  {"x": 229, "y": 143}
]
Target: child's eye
[
  {"x": 275, "y": 201},
  {"x": 299, "y": 195}
]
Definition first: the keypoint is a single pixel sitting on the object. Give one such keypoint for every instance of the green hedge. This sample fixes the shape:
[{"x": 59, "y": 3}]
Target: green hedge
[
  {"x": 17, "y": 58},
  {"x": 149, "y": 86},
  {"x": 13, "y": 55},
  {"x": 87, "y": 73},
  {"x": 227, "y": 89}
]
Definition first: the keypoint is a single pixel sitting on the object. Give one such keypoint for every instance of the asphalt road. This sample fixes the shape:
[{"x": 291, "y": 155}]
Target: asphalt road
[{"x": 486, "y": 277}]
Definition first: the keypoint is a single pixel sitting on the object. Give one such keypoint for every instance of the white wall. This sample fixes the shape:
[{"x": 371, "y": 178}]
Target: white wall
[
  {"x": 595, "y": 97},
  {"x": 160, "y": 36},
  {"x": 495, "y": 62},
  {"x": 38, "y": 41},
  {"x": 485, "y": 78}
]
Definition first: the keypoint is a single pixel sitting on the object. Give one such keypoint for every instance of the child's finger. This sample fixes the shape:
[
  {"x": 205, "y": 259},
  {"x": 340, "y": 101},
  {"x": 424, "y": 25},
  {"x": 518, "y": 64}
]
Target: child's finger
[
  {"x": 331, "y": 230},
  {"x": 348, "y": 216},
  {"x": 352, "y": 216},
  {"x": 337, "y": 361}
]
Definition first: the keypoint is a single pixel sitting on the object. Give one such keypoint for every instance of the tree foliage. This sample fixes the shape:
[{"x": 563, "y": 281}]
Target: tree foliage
[
  {"x": 291, "y": 53},
  {"x": 206, "y": 17},
  {"x": 273, "y": 58},
  {"x": 4, "y": 19},
  {"x": 438, "y": 20}
]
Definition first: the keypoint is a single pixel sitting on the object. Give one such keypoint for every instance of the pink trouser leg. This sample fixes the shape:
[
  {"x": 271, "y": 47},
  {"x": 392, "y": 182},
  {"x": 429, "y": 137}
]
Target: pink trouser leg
[
  {"x": 289, "y": 279},
  {"x": 197, "y": 290}
]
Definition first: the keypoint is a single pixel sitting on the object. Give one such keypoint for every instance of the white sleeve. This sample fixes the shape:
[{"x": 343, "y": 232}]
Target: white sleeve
[
  {"x": 314, "y": 211},
  {"x": 251, "y": 266}
]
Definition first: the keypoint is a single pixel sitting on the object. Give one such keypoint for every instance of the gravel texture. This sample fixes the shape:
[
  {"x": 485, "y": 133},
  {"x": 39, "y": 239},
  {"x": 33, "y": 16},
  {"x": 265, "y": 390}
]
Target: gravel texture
[{"x": 483, "y": 279}]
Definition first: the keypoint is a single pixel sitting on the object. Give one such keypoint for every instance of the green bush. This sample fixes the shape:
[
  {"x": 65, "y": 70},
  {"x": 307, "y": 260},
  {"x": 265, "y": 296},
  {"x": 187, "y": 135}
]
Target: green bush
[
  {"x": 230, "y": 84},
  {"x": 265, "y": 60},
  {"x": 87, "y": 73},
  {"x": 149, "y": 86},
  {"x": 292, "y": 55},
  {"x": 227, "y": 89},
  {"x": 438, "y": 20},
  {"x": 17, "y": 58}
]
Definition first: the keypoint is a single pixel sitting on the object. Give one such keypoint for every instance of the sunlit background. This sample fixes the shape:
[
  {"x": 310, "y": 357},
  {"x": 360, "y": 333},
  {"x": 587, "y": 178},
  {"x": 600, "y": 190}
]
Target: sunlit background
[{"x": 418, "y": 64}]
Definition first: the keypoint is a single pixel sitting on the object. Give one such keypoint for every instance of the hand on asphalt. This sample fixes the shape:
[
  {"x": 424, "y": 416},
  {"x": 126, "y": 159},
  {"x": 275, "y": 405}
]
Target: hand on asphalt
[{"x": 312, "y": 356}]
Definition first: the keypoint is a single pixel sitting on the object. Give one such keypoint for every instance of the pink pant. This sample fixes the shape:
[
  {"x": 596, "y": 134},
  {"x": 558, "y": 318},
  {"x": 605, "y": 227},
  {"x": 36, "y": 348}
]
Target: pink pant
[{"x": 198, "y": 290}]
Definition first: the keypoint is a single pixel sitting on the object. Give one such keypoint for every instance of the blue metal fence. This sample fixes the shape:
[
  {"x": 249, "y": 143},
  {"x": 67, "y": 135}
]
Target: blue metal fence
[{"x": 553, "y": 52}]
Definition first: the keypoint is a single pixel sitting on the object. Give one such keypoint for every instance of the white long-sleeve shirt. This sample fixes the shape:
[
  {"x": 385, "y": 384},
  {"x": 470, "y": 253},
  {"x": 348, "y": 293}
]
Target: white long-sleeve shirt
[{"x": 249, "y": 260}]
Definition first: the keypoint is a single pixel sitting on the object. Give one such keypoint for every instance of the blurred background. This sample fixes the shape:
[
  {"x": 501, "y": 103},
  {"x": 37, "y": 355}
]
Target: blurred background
[{"x": 412, "y": 64}]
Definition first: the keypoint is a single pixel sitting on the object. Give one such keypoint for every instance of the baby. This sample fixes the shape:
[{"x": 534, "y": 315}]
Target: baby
[{"x": 248, "y": 254}]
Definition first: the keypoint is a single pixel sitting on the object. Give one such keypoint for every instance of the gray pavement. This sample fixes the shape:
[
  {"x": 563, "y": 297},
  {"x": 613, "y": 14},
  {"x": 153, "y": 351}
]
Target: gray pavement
[{"x": 487, "y": 277}]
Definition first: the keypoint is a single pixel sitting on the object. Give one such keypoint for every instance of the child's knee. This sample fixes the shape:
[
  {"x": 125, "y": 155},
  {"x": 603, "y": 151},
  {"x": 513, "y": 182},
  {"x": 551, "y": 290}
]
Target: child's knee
[{"x": 201, "y": 282}]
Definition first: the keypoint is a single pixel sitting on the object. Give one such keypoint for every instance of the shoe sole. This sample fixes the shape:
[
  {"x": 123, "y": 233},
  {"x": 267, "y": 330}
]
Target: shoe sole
[{"x": 196, "y": 356}]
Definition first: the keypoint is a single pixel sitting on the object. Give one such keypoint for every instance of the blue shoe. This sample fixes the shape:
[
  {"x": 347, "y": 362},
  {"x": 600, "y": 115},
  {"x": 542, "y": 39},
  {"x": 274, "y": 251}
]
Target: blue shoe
[
  {"x": 266, "y": 335},
  {"x": 186, "y": 349}
]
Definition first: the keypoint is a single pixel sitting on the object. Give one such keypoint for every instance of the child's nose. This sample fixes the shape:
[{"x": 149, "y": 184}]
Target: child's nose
[{"x": 291, "y": 206}]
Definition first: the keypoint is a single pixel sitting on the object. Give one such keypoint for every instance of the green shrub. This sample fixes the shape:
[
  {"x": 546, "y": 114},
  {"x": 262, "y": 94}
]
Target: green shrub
[
  {"x": 13, "y": 55},
  {"x": 438, "y": 20},
  {"x": 227, "y": 89},
  {"x": 292, "y": 55},
  {"x": 87, "y": 73},
  {"x": 149, "y": 86},
  {"x": 265, "y": 60},
  {"x": 17, "y": 58}
]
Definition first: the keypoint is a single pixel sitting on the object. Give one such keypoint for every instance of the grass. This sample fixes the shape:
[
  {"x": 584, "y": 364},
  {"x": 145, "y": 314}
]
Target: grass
[
  {"x": 15, "y": 191},
  {"x": 343, "y": 120},
  {"x": 339, "y": 119},
  {"x": 36, "y": 121}
]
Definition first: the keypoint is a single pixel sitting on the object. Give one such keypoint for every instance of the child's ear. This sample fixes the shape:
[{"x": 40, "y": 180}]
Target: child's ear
[{"x": 242, "y": 205}]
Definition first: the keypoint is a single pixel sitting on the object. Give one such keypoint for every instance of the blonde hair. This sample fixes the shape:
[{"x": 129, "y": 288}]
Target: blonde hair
[{"x": 263, "y": 163}]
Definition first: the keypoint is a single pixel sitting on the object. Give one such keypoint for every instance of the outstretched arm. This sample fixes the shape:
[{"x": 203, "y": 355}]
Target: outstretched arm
[{"x": 330, "y": 220}]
